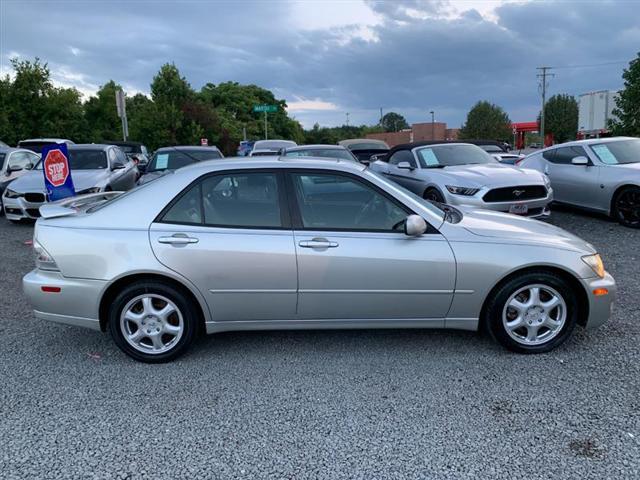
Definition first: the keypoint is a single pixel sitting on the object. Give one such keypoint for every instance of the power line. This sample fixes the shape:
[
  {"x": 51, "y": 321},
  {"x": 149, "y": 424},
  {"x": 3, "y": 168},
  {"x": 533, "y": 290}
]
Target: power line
[
  {"x": 590, "y": 65},
  {"x": 543, "y": 80}
]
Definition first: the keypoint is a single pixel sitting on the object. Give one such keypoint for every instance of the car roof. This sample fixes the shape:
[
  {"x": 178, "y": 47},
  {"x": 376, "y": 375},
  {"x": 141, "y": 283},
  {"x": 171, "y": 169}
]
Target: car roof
[
  {"x": 188, "y": 147},
  {"x": 427, "y": 143},
  {"x": 51, "y": 140},
  {"x": 89, "y": 146},
  {"x": 274, "y": 161},
  {"x": 315, "y": 147},
  {"x": 127, "y": 143},
  {"x": 13, "y": 149},
  {"x": 352, "y": 141},
  {"x": 591, "y": 141}
]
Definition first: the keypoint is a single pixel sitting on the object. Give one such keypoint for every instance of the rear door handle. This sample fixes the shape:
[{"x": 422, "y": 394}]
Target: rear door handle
[
  {"x": 178, "y": 239},
  {"x": 318, "y": 243}
]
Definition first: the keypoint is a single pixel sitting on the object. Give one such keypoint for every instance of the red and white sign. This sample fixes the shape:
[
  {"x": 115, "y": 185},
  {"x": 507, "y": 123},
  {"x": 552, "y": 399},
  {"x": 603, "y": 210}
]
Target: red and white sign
[
  {"x": 56, "y": 168},
  {"x": 204, "y": 142}
]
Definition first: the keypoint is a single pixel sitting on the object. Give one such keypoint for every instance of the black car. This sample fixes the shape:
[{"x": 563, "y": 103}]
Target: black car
[
  {"x": 136, "y": 151},
  {"x": 365, "y": 148},
  {"x": 171, "y": 158}
]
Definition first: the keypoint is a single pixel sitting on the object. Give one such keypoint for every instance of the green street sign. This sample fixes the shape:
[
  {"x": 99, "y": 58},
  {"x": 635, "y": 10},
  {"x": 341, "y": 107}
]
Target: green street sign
[{"x": 265, "y": 108}]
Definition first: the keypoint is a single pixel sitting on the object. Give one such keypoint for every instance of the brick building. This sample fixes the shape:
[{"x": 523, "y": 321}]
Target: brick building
[{"x": 418, "y": 132}]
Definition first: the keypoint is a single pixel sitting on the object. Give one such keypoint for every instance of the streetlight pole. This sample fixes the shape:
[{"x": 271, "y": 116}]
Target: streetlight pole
[{"x": 433, "y": 125}]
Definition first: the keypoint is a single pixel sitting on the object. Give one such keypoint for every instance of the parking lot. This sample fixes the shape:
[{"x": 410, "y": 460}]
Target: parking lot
[{"x": 327, "y": 404}]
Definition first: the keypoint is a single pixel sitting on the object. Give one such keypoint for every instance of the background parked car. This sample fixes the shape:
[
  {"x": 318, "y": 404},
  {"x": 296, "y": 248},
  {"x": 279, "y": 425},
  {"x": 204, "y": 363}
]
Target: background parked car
[
  {"x": 497, "y": 150},
  {"x": 326, "y": 151},
  {"x": 464, "y": 174},
  {"x": 220, "y": 251},
  {"x": 94, "y": 168},
  {"x": 171, "y": 158},
  {"x": 600, "y": 174},
  {"x": 37, "y": 144},
  {"x": 136, "y": 151},
  {"x": 14, "y": 162},
  {"x": 245, "y": 147},
  {"x": 273, "y": 146},
  {"x": 365, "y": 148}
]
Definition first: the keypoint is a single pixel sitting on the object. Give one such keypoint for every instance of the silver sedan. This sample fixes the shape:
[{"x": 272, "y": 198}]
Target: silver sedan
[
  {"x": 462, "y": 174},
  {"x": 276, "y": 243},
  {"x": 600, "y": 174}
]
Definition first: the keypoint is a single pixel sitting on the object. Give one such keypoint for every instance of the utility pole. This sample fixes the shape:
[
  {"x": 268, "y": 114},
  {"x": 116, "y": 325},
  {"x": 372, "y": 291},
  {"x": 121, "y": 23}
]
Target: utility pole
[
  {"x": 381, "y": 116},
  {"x": 266, "y": 136},
  {"x": 433, "y": 125},
  {"x": 543, "y": 85},
  {"x": 347, "y": 119}
]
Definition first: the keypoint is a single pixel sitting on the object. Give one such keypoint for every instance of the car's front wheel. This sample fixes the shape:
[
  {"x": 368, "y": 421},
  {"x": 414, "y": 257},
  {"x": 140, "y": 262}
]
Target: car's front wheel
[
  {"x": 152, "y": 321},
  {"x": 626, "y": 208},
  {"x": 532, "y": 313}
]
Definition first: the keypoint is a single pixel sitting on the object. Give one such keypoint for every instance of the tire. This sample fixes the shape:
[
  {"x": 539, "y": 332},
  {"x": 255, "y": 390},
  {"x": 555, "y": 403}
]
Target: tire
[
  {"x": 512, "y": 315},
  {"x": 626, "y": 207},
  {"x": 434, "y": 195},
  {"x": 140, "y": 329}
]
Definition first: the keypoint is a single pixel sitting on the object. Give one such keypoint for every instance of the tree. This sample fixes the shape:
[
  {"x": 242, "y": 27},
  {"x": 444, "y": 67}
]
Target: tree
[
  {"x": 561, "y": 117},
  {"x": 627, "y": 108},
  {"x": 486, "y": 121},
  {"x": 102, "y": 115},
  {"x": 393, "y": 122}
]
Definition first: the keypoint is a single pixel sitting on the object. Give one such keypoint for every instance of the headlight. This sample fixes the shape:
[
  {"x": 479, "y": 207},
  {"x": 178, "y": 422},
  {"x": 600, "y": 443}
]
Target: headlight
[
  {"x": 11, "y": 194},
  {"x": 595, "y": 262},
  {"x": 44, "y": 261},
  {"x": 462, "y": 190},
  {"x": 88, "y": 190}
]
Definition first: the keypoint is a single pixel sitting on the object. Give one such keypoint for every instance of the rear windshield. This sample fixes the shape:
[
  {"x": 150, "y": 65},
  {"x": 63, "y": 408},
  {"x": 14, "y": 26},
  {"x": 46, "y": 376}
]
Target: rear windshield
[
  {"x": 367, "y": 146},
  {"x": 174, "y": 159},
  {"x": 84, "y": 160},
  {"x": 491, "y": 148},
  {"x": 322, "y": 152},
  {"x": 452, "y": 155},
  {"x": 35, "y": 146},
  {"x": 615, "y": 153},
  {"x": 273, "y": 144}
]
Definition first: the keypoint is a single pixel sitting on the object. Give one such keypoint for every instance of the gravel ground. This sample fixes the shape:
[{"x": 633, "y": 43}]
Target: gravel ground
[{"x": 339, "y": 404}]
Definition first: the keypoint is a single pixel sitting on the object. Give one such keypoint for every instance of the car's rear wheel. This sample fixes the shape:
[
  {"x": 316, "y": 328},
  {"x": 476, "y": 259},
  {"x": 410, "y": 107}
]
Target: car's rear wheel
[
  {"x": 626, "y": 207},
  {"x": 434, "y": 195},
  {"x": 152, "y": 321},
  {"x": 532, "y": 313}
]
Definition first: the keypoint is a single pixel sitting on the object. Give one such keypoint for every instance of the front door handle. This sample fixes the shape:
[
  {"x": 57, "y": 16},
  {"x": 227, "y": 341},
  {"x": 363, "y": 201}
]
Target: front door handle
[
  {"x": 318, "y": 243},
  {"x": 178, "y": 239}
]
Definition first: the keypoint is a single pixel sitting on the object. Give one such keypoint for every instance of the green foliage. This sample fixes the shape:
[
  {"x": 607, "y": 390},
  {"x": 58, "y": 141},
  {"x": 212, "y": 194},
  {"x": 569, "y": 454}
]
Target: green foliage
[
  {"x": 102, "y": 116},
  {"x": 627, "y": 108},
  {"x": 332, "y": 135},
  {"x": 393, "y": 122},
  {"x": 561, "y": 118},
  {"x": 486, "y": 121}
]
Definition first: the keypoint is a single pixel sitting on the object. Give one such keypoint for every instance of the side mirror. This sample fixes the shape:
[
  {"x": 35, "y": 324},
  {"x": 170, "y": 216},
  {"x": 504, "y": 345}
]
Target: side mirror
[
  {"x": 414, "y": 225},
  {"x": 405, "y": 166},
  {"x": 581, "y": 160},
  {"x": 14, "y": 168}
]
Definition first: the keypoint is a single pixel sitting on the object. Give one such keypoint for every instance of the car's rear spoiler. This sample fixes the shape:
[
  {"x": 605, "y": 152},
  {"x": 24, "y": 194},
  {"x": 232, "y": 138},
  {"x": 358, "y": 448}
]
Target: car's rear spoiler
[{"x": 73, "y": 205}]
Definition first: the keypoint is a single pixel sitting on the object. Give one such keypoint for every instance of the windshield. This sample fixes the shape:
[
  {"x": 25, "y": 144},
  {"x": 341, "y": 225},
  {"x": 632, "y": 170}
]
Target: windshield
[
  {"x": 2, "y": 157},
  {"x": 273, "y": 144},
  {"x": 616, "y": 153},
  {"x": 322, "y": 152},
  {"x": 129, "y": 148},
  {"x": 174, "y": 159},
  {"x": 367, "y": 146},
  {"x": 452, "y": 155},
  {"x": 491, "y": 148},
  {"x": 84, "y": 160}
]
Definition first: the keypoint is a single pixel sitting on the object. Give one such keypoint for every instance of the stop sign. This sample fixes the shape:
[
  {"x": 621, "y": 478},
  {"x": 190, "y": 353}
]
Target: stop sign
[{"x": 56, "y": 168}]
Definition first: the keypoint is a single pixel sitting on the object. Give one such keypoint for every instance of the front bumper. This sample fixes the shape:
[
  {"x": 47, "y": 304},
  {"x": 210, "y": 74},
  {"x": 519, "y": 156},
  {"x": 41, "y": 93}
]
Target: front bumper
[
  {"x": 536, "y": 208},
  {"x": 19, "y": 208},
  {"x": 77, "y": 303},
  {"x": 599, "y": 305}
]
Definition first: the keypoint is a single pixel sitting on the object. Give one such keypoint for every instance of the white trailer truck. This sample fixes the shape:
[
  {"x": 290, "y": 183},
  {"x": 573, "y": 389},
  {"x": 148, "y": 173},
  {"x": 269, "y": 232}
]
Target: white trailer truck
[{"x": 594, "y": 112}]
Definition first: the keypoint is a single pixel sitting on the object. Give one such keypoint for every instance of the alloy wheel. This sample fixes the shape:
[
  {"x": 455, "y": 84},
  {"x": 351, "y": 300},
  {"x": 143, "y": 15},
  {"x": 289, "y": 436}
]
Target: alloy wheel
[
  {"x": 151, "y": 323},
  {"x": 534, "y": 314},
  {"x": 628, "y": 207}
]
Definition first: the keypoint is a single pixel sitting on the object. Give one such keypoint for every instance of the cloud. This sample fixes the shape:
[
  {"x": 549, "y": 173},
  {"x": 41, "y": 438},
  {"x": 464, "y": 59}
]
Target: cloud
[{"x": 329, "y": 58}]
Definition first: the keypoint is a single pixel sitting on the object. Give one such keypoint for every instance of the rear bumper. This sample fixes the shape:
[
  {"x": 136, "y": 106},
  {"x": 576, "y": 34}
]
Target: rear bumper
[
  {"x": 599, "y": 305},
  {"x": 77, "y": 302}
]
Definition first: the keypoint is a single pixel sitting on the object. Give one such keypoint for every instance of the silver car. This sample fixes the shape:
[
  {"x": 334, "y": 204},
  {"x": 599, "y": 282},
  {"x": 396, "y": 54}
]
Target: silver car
[
  {"x": 462, "y": 174},
  {"x": 94, "y": 168},
  {"x": 14, "y": 162},
  {"x": 286, "y": 243},
  {"x": 323, "y": 151},
  {"x": 601, "y": 175}
]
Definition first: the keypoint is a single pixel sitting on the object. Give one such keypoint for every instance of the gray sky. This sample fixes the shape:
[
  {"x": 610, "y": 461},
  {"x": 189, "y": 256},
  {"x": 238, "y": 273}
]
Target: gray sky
[{"x": 327, "y": 58}]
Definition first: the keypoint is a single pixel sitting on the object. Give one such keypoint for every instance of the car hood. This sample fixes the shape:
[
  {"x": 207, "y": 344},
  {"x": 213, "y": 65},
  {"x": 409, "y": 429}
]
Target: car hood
[
  {"x": 82, "y": 179},
  {"x": 513, "y": 228},
  {"x": 491, "y": 174}
]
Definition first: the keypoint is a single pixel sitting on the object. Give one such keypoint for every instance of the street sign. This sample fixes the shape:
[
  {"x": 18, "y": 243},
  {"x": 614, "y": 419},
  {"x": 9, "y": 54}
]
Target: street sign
[
  {"x": 265, "y": 108},
  {"x": 57, "y": 173},
  {"x": 204, "y": 142}
]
